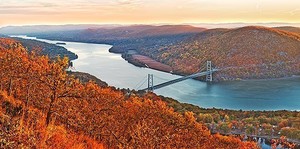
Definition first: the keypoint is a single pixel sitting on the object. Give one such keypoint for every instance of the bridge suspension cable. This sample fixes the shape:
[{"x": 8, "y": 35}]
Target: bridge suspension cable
[
  {"x": 207, "y": 73},
  {"x": 141, "y": 83},
  {"x": 155, "y": 76}
]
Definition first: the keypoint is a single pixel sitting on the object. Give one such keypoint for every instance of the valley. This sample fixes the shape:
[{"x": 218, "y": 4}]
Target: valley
[
  {"x": 245, "y": 53},
  {"x": 248, "y": 91},
  {"x": 150, "y": 74}
]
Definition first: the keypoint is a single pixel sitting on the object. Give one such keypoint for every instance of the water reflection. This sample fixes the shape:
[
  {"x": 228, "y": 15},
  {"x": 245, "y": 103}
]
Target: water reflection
[{"x": 247, "y": 95}]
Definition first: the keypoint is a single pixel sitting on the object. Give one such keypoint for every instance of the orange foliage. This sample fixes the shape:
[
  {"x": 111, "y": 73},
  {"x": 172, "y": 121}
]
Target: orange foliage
[
  {"x": 33, "y": 133},
  {"x": 47, "y": 108},
  {"x": 243, "y": 53},
  {"x": 231, "y": 142}
]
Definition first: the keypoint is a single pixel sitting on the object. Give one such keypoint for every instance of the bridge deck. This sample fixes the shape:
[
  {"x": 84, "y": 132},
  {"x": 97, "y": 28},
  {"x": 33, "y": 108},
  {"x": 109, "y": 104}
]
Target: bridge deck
[{"x": 199, "y": 74}]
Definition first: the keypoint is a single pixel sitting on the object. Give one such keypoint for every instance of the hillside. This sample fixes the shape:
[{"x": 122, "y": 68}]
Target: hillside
[
  {"x": 43, "y": 107},
  {"x": 23, "y": 30},
  {"x": 1, "y": 35},
  {"x": 125, "y": 37},
  {"x": 41, "y": 48},
  {"x": 243, "y": 53},
  {"x": 86, "y": 78},
  {"x": 289, "y": 29},
  {"x": 139, "y": 31},
  {"x": 251, "y": 52},
  {"x": 44, "y": 48}
]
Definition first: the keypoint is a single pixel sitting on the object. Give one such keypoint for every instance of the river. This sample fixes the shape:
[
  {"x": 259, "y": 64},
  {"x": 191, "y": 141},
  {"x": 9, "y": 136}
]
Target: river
[{"x": 282, "y": 94}]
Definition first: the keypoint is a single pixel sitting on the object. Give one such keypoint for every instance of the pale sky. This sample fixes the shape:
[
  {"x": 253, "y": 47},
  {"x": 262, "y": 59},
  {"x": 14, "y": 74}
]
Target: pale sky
[{"x": 28, "y": 12}]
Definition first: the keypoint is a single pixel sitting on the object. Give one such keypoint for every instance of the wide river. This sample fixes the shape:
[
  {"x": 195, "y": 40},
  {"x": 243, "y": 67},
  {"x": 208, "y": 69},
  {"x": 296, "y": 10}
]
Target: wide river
[{"x": 95, "y": 59}]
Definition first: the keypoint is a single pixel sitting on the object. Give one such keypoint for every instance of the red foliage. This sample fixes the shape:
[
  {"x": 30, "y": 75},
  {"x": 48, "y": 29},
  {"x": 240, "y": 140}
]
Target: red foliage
[{"x": 50, "y": 109}]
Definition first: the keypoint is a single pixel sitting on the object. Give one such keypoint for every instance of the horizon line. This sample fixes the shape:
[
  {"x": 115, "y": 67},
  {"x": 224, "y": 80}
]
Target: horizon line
[{"x": 129, "y": 24}]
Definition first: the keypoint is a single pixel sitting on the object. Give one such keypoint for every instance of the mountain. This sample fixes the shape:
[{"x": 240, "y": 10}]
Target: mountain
[
  {"x": 139, "y": 31},
  {"x": 1, "y": 35},
  {"x": 39, "y": 47},
  {"x": 251, "y": 52},
  {"x": 289, "y": 29},
  {"x": 23, "y": 30},
  {"x": 240, "y": 24},
  {"x": 51, "y": 50},
  {"x": 6, "y": 43},
  {"x": 150, "y": 36},
  {"x": 243, "y": 53},
  {"x": 126, "y": 37}
]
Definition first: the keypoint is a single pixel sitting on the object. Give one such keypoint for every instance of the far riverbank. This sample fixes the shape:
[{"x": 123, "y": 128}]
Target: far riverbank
[{"x": 251, "y": 95}]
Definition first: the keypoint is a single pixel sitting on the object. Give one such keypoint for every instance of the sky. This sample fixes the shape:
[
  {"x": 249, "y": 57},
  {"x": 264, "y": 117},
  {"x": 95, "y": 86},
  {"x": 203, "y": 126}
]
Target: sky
[{"x": 32, "y": 12}]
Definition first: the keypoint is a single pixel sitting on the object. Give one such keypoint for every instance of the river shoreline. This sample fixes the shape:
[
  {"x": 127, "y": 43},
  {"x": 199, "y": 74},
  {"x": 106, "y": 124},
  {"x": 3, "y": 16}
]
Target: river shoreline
[
  {"x": 159, "y": 67},
  {"x": 139, "y": 60},
  {"x": 181, "y": 105},
  {"x": 233, "y": 95},
  {"x": 146, "y": 62},
  {"x": 275, "y": 79}
]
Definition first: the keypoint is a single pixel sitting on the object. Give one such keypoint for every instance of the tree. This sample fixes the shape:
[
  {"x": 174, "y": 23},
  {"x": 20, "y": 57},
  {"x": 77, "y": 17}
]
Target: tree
[
  {"x": 224, "y": 127},
  {"x": 60, "y": 85}
]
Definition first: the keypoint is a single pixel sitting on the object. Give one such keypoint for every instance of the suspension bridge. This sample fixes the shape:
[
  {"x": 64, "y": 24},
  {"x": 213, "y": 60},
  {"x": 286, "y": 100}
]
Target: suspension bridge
[{"x": 208, "y": 73}]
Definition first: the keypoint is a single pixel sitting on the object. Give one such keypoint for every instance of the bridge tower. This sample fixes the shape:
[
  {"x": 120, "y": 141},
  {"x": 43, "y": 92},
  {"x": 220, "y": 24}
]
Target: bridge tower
[
  {"x": 150, "y": 82},
  {"x": 209, "y": 76}
]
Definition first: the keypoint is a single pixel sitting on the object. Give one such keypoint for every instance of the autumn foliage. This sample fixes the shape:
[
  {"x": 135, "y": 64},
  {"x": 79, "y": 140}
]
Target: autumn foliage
[
  {"x": 43, "y": 107},
  {"x": 250, "y": 52}
]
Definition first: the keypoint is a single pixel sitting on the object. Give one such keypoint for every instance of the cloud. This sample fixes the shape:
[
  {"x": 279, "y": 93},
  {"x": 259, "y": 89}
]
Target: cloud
[
  {"x": 123, "y": 2},
  {"x": 25, "y": 7},
  {"x": 35, "y": 7},
  {"x": 126, "y": 2},
  {"x": 44, "y": 4},
  {"x": 294, "y": 12}
]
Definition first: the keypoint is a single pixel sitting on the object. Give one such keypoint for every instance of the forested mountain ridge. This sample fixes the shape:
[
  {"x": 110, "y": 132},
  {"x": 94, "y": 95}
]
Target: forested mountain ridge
[
  {"x": 290, "y": 29},
  {"x": 125, "y": 37},
  {"x": 252, "y": 52},
  {"x": 23, "y": 30},
  {"x": 243, "y": 53},
  {"x": 44, "y": 48},
  {"x": 41, "y": 48},
  {"x": 139, "y": 31},
  {"x": 43, "y": 107}
]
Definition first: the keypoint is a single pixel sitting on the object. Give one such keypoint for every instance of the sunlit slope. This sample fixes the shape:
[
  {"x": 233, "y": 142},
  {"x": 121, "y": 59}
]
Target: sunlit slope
[{"x": 247, "y": 53}]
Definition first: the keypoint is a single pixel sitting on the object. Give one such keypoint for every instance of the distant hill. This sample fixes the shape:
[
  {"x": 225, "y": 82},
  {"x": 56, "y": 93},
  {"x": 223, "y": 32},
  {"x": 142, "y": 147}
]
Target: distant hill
[
  {"x": 151, "y": 36},
  {"x": 7, "y": 43},
  {"x": 1, "y": 35},
  {"x": 42, "y": 48},
  {"x": 251, "y": 52},
  {"x": 247, "y": 53},
  {"x": 23, "y": 30},
  {"x": 290, "y": 29},
  {"x": 126, "y": 37},
  {"x": 240, "y": 24},
  {"x": 138, "y": 31}
]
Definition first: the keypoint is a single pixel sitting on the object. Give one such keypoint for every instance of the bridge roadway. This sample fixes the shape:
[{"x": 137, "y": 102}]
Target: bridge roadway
[{"x": 199, "y": 74}]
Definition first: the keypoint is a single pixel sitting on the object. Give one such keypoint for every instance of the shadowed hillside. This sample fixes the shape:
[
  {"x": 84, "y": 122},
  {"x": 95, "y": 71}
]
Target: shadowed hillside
[
  {"x": 41, "y": 48},
  {"x": 126, "y": 37},
  {"x": 44, "y": 48},
  {"x": 139, "y": 31},
  {"x": 23, "y": 30}
]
